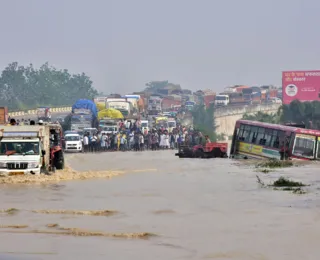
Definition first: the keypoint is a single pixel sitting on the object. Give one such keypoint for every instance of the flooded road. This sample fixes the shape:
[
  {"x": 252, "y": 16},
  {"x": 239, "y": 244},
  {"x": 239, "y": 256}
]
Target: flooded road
[{"x": 197, "y": 209}]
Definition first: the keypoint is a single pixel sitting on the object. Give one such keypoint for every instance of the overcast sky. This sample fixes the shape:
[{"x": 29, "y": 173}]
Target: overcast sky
[{"x": 122, "y": 44}]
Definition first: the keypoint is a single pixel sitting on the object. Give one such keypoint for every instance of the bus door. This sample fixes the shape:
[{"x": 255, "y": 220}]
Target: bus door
[
  {"x": 234, "y": 140},
  {"x": 318, "y": 148},
  {"x": 288, "y": 143}
]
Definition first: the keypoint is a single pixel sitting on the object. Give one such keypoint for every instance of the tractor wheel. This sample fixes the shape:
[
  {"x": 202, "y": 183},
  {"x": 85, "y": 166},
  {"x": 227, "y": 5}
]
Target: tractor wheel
[
  {"x": 59, "y": 160},
  {"x": 198, "y": 153}
]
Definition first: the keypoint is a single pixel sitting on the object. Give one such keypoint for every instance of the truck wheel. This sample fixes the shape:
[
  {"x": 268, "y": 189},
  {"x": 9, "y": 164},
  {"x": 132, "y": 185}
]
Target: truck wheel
[{"x": 59, "y": 161}]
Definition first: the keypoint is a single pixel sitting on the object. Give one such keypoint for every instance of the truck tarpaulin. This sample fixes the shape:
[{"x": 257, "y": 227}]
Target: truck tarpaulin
[
  {"x": 300, "y": 85},
  {"x": 84, "y": 105}
]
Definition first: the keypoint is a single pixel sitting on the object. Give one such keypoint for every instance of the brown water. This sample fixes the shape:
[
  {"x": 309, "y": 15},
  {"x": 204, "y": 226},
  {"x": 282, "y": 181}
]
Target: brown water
[{"x": 198, "y": 209}]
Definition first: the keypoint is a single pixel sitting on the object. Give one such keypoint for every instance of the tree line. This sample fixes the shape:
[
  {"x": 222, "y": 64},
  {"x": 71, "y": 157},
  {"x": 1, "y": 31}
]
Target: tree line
[
  {"x": 302, "y": 113},
  {"x": 25, "y": 87}
]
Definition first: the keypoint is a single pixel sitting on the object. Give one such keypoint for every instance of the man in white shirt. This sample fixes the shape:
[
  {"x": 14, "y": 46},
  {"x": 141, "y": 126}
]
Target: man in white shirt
[{"x": 85, "y": 143}]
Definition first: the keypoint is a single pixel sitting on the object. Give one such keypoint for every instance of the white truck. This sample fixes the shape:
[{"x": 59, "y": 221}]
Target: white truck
[
  {"x": 30, "y": 149},
  {"x": 121, "y": 104},
  {"x": 222, "y": 100},
  {"x": 145, "y": 126},
  {"x": 154, "y": 105},
  {"x": 44, "y": 114}
]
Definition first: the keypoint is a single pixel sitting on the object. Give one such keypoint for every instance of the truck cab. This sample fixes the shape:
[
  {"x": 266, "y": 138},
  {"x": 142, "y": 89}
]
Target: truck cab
[
  {"x": 30, "y": 149},
  {"x": 222, "y": 100}
]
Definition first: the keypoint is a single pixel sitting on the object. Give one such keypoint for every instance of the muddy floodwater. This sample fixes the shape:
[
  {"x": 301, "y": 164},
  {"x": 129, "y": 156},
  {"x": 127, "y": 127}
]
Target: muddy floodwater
[{"x": 162, "y": 207}]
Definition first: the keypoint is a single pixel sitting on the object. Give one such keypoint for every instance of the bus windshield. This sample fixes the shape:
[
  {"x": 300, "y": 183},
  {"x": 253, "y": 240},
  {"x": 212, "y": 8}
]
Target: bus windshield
[{"x": 304, "y": 146}]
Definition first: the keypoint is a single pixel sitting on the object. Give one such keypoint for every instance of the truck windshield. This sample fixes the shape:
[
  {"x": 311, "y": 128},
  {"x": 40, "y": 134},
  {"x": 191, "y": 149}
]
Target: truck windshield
[
  {"x": 72, "y": 138},
  {"x": 25, "y": 148},
  {"x": 108, "y": 128},
  {"x": 172, "y": 124},
  {"x": 221, "y": 98},
  {"x": 144, "y": 124}
]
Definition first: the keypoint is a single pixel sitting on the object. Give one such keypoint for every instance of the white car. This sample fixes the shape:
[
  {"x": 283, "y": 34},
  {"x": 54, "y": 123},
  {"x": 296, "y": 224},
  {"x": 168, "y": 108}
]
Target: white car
[{"x": 73, "y": 143}]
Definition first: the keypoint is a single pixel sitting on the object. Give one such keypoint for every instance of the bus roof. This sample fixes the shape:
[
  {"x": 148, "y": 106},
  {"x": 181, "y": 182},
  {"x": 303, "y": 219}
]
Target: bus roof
[{"x": 280, "y": 127}]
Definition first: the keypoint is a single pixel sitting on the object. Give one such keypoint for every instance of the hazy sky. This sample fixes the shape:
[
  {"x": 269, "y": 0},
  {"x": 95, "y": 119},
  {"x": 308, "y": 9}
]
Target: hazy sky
[{"x": 122, "y": 44}]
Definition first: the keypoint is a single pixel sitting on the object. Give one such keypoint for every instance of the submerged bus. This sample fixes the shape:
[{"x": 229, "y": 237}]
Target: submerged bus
[{"x": 253, "y": 139}]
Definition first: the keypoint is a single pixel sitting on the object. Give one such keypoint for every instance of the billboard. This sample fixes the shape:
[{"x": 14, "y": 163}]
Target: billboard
[{"x": 301, "y": 85}]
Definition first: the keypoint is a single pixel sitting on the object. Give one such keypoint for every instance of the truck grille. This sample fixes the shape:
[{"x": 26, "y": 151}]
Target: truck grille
[{"x": 17, "y": 166}]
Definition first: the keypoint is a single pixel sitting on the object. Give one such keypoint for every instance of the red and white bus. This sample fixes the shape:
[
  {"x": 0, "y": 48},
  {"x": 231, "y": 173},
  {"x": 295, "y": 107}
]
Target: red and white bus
[{"x": 253, "y": 139}]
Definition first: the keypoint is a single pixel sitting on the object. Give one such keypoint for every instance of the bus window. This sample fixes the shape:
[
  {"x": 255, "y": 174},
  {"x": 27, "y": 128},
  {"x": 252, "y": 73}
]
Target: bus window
[
  {"x": 304, "y": 146},
  {"x": 260, "y": 135},
  {"x": 267, "y": 137},
  {"x": 246, "y": 133},
  {"x": 275, "y": 140},
  {"x": 253, "y": 134},
  {"x": 241, "y": 132}
]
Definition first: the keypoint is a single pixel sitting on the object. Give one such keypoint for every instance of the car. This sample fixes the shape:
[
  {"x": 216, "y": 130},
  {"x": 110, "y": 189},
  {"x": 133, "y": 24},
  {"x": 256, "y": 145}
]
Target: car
[{"x": 73, "y": 143}]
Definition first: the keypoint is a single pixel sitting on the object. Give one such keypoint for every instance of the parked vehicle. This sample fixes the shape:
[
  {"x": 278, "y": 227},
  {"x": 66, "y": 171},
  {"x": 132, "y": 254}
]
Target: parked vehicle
[
  {"x": 222, "y": 100},
  {"x": 145, "y": 126},
  {"x": 109, "y": 129},
  {"x": 154, "y": 105},
  {"x": 73, "y": 142},
  {"x": 121, "y": 104},
  {"x": 44, "y": 114},
  {"x": 30, "y": 149},
  {"x": 90, "y": 130},
  {"x": 253, "y": 139},
  {"x": 84, "y": 115}
]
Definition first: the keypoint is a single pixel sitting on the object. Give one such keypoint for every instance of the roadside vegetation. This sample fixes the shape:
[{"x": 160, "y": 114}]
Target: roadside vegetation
[
  {"x": 306, "y": 113},
  {"x": 25, "y": 87},
  {"x": 274, "y": 163},
  {"x": 284, "y": 184}
]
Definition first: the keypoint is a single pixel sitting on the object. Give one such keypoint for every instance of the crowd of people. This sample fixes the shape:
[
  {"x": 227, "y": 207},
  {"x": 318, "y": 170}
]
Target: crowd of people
[{"x": 135, "y": 139}]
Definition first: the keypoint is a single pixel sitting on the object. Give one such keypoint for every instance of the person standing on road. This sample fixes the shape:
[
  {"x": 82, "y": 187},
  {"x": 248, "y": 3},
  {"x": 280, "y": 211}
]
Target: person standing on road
[
  {"x": 86, "y": 143},
  {"x": 141, "y": 140},
  {"x": 94, "y": 142}
]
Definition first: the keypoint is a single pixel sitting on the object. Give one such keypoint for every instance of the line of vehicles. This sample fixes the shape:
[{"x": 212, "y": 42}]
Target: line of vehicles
[{"x": 240, "y": 95}]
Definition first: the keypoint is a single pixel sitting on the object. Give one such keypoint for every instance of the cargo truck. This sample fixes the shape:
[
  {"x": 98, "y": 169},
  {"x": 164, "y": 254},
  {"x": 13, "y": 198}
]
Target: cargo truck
[
  {"x": 121, "y": 104},
  {"x": 84, "y": 115},
  {"x": 31, "y": 149},
  {"x": 44, "y": 114}
]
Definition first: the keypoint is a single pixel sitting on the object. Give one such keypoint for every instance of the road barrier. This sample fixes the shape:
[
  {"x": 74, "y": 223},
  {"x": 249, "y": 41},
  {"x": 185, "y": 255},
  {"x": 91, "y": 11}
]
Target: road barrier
[{"x": 34, "y": 111}]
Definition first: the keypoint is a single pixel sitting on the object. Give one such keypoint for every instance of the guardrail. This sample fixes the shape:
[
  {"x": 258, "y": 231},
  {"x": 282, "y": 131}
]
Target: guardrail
[{"x": 34, "y": 111}]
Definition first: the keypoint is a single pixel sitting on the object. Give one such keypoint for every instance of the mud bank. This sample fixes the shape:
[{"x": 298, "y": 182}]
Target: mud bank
[
  {"x": 67, "y": 174},
  {"x": 56, "y": 229}
]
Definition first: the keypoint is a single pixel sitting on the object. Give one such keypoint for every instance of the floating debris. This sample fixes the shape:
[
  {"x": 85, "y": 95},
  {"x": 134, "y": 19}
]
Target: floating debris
[
  {"x": 9, "y": 211},
  {"x": 78, "y": 212},
  {"x": 83, "y": 233},
  {"x": 14, "y": 226}
]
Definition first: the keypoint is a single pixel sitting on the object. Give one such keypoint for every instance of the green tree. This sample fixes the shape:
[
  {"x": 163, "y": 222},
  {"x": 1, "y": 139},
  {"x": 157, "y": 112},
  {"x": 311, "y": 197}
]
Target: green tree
[
  {"x": 153, "y": 86},
  {"x": 203, "y": 120},
  {"x": 26, "y": 87},
  {"x": 272, "y": 118},
  {"x": 297, "y": 112}
]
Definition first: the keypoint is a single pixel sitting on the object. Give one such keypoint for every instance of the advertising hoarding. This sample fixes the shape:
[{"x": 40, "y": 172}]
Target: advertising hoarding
[{"x": 300, "y": 85}]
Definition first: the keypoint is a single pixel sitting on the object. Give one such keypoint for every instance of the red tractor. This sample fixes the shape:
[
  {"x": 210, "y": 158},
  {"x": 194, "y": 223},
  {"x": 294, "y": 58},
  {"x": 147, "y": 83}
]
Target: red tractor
[{"x": 209, "y": 150}]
